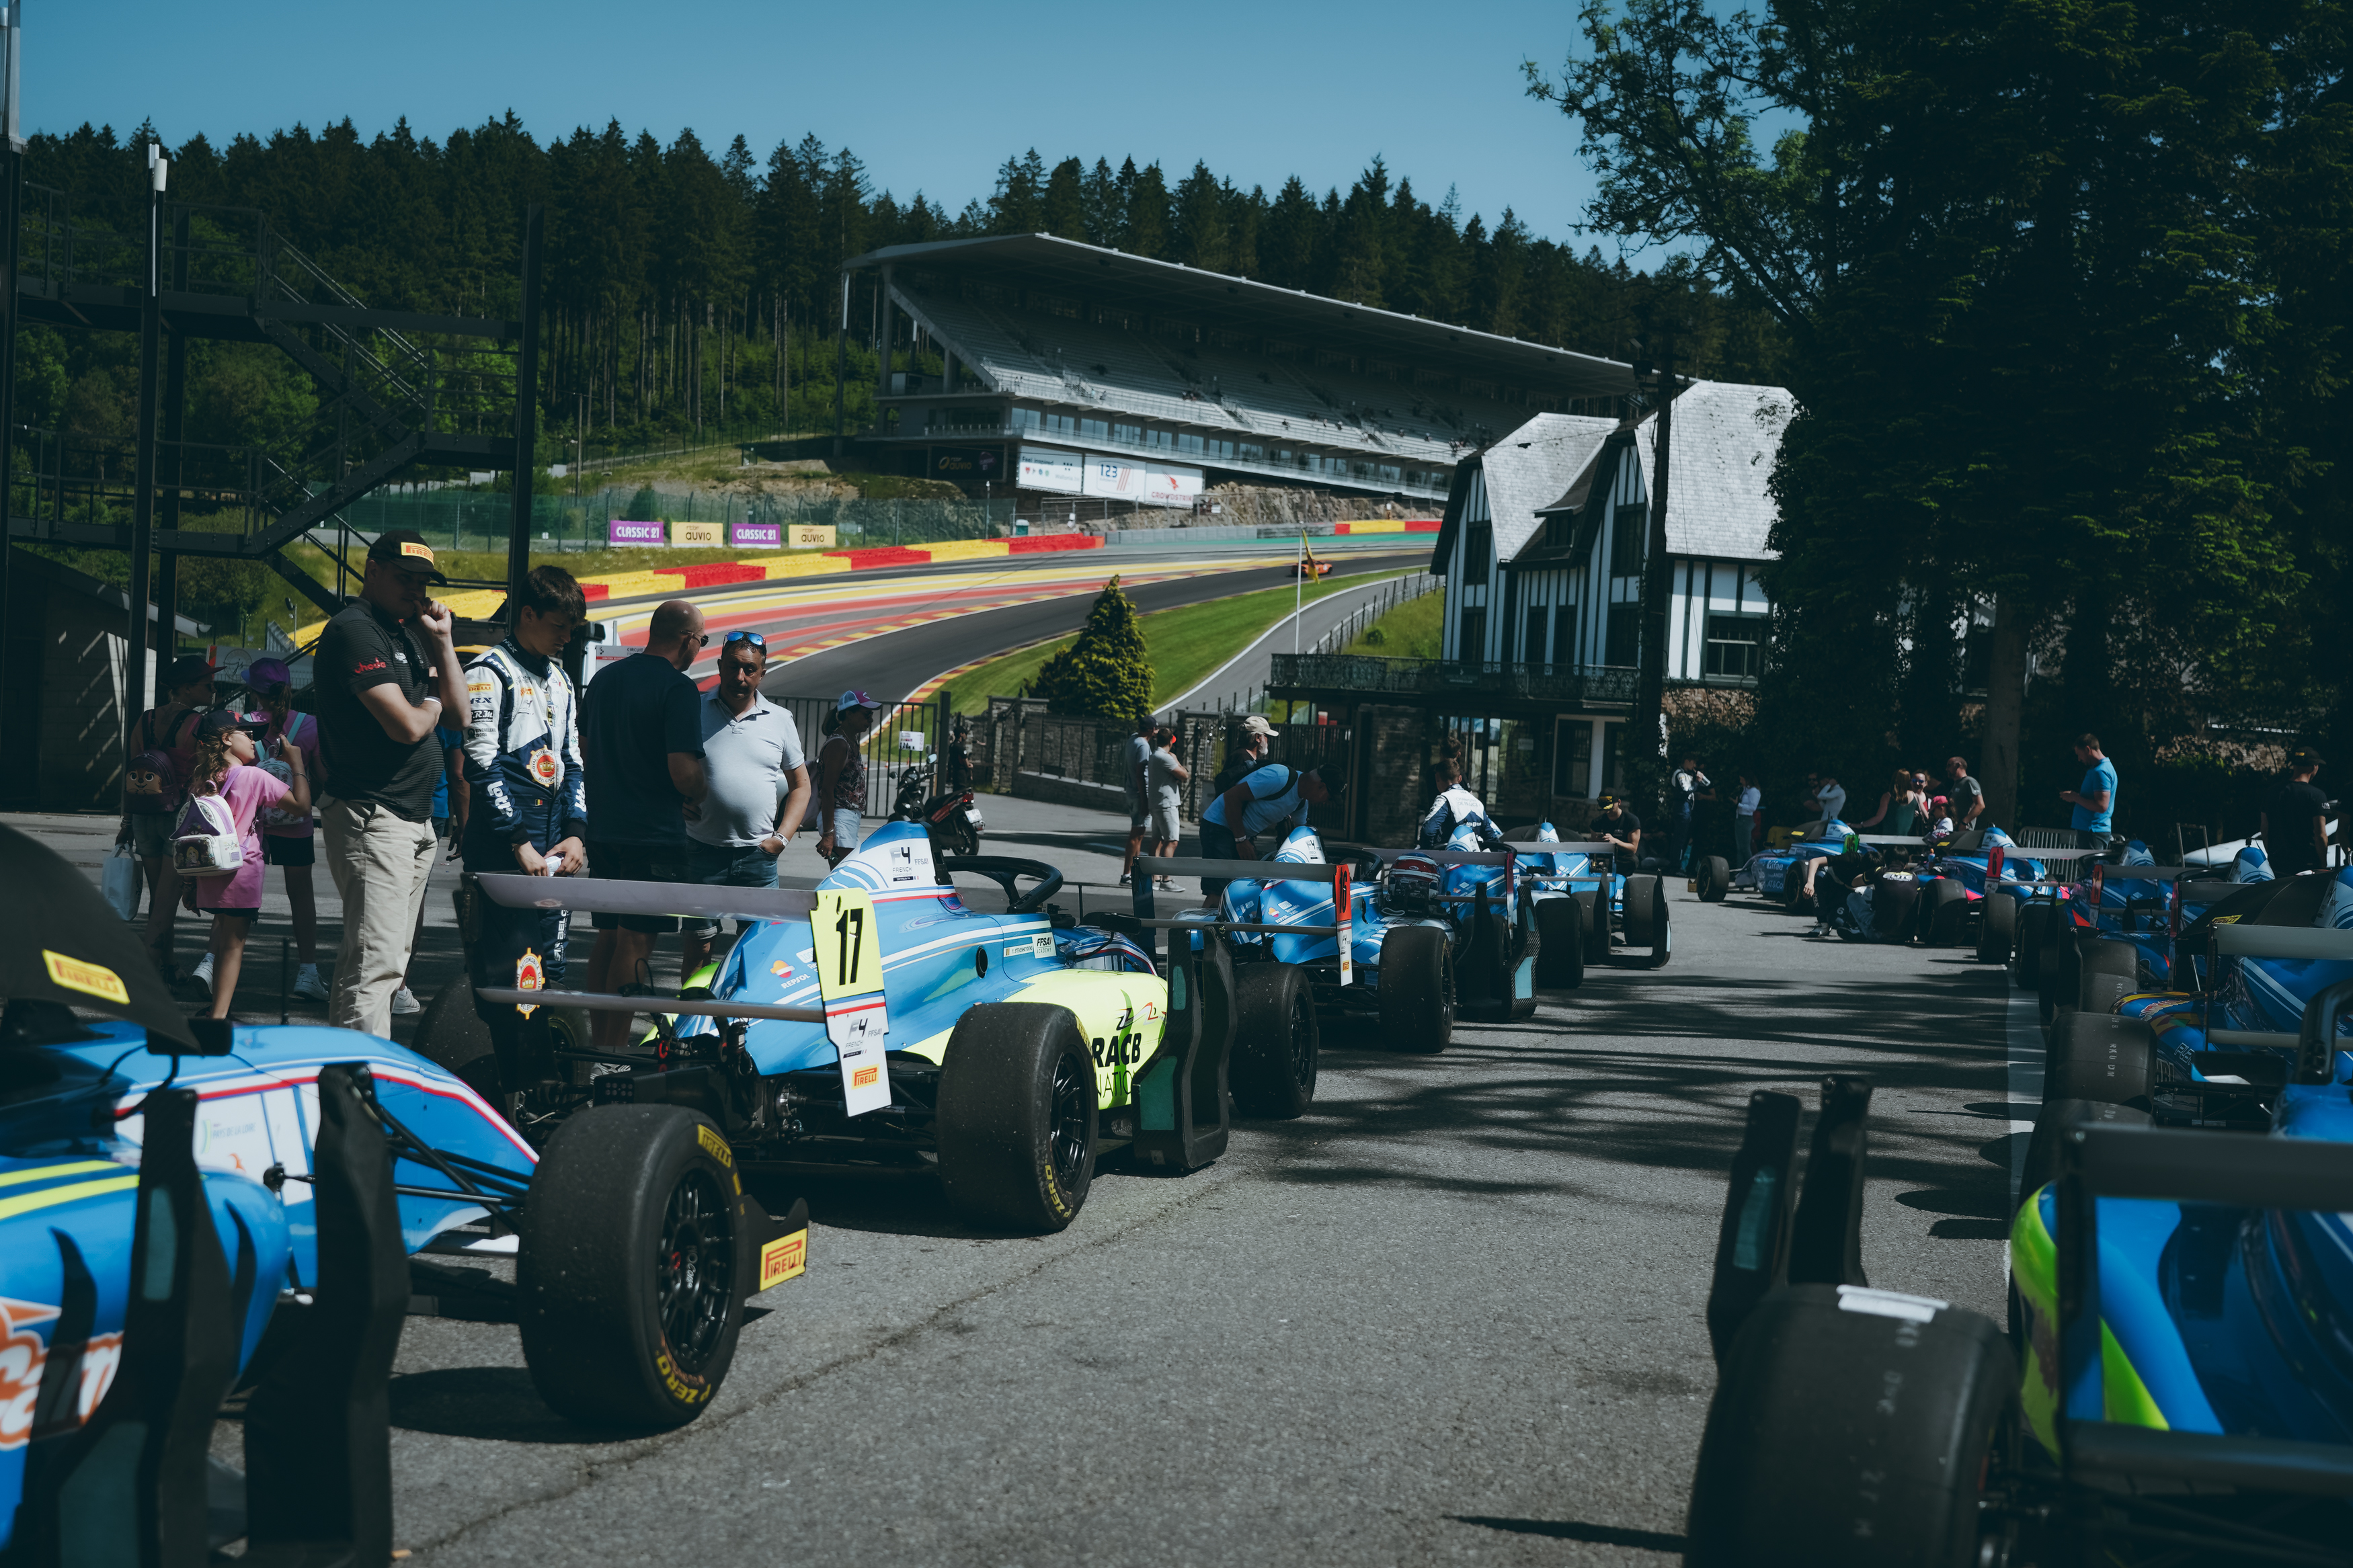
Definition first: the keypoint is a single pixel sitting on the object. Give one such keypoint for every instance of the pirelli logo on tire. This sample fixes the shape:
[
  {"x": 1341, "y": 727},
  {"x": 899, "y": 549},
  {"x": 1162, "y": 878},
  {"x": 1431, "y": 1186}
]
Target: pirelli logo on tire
[{"x": 783, "y": 1259}]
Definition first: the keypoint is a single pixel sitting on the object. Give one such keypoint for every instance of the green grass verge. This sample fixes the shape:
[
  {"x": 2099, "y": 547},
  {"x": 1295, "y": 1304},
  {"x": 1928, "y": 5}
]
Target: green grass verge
[
  {"x": 1415, "y": 629},
  {"x": 1187, "y": 643}
]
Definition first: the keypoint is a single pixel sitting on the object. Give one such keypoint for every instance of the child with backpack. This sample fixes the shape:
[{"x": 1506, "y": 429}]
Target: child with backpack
[
  {"x": 155, "y": 788},
  {"x": 217, "y": 851}
]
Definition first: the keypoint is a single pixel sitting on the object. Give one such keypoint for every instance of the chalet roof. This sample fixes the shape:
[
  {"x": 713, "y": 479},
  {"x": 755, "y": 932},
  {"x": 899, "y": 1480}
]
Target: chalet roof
[
  {"x": 1522, "y": 471},
  {"x": 1726, "y": 437}
]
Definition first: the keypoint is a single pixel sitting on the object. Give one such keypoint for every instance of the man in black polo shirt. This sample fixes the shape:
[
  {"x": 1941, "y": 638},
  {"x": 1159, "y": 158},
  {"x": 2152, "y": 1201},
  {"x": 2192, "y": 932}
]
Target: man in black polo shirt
[
  {"x": 2295, "y": 825},
  {"x": 372, "y": 672},
  {"x": 641, "y": 740}
]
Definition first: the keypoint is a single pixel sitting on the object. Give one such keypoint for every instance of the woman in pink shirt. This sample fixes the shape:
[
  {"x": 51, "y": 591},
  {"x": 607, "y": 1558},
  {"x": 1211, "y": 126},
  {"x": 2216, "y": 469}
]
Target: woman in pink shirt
[{"x": 225, "y": 767}]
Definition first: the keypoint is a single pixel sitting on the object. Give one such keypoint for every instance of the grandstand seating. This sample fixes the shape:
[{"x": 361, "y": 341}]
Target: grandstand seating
[{"x": 1259, "y": 398}]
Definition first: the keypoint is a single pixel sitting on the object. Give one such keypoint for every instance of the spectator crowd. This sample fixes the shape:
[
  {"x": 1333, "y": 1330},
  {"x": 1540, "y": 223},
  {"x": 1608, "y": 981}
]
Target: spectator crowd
[{"x": 496, "y": 763}]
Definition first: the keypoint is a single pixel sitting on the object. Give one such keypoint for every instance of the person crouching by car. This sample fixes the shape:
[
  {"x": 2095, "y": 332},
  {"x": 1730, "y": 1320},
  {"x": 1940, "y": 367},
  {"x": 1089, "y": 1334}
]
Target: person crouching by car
[
  {"x": 226, "y": 792},
  {"x": 1259, "y": 801},
  {"x": 527, "y": 803}
]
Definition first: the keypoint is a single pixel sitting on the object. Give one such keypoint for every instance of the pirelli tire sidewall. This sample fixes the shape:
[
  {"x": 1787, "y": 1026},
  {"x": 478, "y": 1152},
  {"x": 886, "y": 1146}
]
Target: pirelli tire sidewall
[
  {"x": 1849, "y": 1439},
  {"x": 2101, "y": 1057},
  {"x": 996, "y": 1119},
  {"x": 1998, "y": 929},
  {"x": 1276, "y": 1042},
  {"x": 1714, "y": 879},
  {"x": 589, "y": 1281},
  {"x": 1647, "y": 918},
  {"x": 1417, "y": 991},
  {"x": 2028, "y": 952}
]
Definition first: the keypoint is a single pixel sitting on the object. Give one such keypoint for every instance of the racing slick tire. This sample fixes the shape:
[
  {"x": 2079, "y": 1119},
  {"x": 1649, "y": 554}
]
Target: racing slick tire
[
  {"x": 1714, "y": 879},
  {"x": 1417, "y": 988},
  {"x": 1793, "y": 888},
  {"x": 629, "y": 1279},
  {"x": 2028, "y": 947},
  {"x": 2111, "y": 972},
  {"x": 1646, "y": 916},
  {"x": 1943, "y": 912},
  {"x": 1016, "y": 1117},
  {"x": 1808, "y": 1461},
  {"x": 1560, "y": 933},
  {"x": 2099, "y": 1057},
  {"x": 2062, "y": 965},
  {"x": 1595, "y": 905},
  {"x": 1997, "y": 928},
  {"x": 1275, "y": 1042}
]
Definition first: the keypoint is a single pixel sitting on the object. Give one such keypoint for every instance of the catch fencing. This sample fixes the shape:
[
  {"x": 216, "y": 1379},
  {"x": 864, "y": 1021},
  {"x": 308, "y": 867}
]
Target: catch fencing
[{"x": 1022, "y": 749}]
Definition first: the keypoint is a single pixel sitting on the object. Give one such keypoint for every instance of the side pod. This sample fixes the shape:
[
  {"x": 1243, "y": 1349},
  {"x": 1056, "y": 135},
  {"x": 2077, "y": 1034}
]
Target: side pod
[
  {"x": 318, "y": 1431},
  {"x": 1183, "y": 1108},
  {"x": 128, "y": 1487}
]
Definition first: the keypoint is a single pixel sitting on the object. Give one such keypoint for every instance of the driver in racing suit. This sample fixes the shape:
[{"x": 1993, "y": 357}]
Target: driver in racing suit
[
  {"x": 528, "y": 804},
  {"x": 1455, "y": 808}
]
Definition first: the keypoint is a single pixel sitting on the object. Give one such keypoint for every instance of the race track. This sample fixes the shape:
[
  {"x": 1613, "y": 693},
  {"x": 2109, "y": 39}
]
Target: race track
[{"x": 887, "y": 635}]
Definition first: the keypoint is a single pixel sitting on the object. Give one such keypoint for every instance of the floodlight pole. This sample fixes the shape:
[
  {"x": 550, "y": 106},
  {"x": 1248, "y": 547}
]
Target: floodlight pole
[
  {"x": 527, "y": 419},
  {"x": 142, "y": 503},
  {"x": 841, "y": 367},
  {"x": 12, "y": 171},
  {"x": 1646, "y": 759}
]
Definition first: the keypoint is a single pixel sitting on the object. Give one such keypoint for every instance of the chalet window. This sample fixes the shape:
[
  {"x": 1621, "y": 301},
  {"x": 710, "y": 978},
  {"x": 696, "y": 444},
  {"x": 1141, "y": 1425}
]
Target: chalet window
[
  {"x": 1573, "y": 758},
  {"x": 1539, "y": 633},
  {"x": 1564, "y": 637},
  {"x": 1622, "y": 637},
  {"x": 1734, "y": 647},
  {"x": 1471, "y": 643},
  {"x": 1629, "y": 530},
  {"x": 1478, "y": 553}
]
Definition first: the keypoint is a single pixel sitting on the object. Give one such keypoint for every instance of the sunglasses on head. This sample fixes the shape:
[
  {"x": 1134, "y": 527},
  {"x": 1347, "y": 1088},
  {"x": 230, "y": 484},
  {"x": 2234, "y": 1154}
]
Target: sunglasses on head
[{"x": 754, "y": 638}]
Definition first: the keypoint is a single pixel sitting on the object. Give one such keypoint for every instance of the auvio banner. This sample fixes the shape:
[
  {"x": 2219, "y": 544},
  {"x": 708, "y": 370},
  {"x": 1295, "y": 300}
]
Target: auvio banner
[
  {"x": 757, "y": 535},
  {"x": 622, "y": 532}
]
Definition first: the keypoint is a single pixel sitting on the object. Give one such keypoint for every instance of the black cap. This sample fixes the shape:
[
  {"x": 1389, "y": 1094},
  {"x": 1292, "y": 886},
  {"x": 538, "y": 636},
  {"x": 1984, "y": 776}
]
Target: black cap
[
  {"x": 2304, "y": 757},
  {"x": 220, "y": 721},
  {"x": 406, "y": 548},
  {"x": 185, "y": 670}
]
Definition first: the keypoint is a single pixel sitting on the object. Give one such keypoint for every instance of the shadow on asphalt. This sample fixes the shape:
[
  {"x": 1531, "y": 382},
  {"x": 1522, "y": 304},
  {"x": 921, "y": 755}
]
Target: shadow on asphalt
[
  {"x": 1574, "y": 1530},
  {"x": 1569, "y": 1083},
  {"x": 497, "y": 1403}
]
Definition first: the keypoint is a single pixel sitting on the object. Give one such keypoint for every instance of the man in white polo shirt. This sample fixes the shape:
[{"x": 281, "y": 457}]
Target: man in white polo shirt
[{"x": 759, "y": 786}]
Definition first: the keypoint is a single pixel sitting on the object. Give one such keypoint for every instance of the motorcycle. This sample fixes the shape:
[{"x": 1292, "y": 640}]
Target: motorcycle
[{"x": 951, "y": 818}]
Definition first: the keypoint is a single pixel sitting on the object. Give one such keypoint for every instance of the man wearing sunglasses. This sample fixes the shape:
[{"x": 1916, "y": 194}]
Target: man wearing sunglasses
[{"x": 759, "y": 786}]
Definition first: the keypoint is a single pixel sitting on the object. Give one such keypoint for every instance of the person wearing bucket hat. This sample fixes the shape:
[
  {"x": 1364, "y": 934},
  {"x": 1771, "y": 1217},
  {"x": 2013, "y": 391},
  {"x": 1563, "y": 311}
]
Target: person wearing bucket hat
[
  {"x": 839, "y": 803},
  {"x": 287, "y": 838},
  {"x": 374, "y": 671}
]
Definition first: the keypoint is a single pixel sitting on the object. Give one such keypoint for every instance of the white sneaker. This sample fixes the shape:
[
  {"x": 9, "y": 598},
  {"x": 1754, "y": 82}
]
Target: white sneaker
[
  {"x": 404, "y": 1002},
  {"x": 308, "y": 986},
  {"x": 204, "y": 975}
]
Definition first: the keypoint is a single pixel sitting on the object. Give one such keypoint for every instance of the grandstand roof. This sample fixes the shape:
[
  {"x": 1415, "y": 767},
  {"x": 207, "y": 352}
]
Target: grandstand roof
[{"x": 1215, "y": 300}]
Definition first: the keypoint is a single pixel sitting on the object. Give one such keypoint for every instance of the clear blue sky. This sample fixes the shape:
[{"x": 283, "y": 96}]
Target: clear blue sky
[{"x": 930, "y": 95}]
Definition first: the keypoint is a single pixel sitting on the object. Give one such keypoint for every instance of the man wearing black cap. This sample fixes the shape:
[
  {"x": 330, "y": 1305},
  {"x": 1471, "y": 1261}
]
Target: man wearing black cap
[
  {"x": 377, "y": 713},
  {"x": 2295, "y": 825}
]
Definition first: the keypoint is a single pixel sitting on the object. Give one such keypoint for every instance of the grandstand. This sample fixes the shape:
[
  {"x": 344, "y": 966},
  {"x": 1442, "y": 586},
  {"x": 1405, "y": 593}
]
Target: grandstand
[{"x": 1076, "y": 369}]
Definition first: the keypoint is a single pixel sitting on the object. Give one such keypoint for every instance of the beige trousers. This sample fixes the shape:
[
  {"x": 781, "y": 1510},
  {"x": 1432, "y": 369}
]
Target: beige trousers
[{"x": 380, "y": 863}]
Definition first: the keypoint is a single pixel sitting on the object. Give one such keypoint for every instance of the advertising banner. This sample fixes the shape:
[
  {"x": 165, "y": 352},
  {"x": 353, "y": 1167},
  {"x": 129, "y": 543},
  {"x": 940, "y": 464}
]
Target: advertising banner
[
  {"x": 1170, "y": 486},
  {"x": 621, "y": 532},
  {"x": 1116, "y": 479},
  {"x": 1043, "y": 468},
  {"x": 756, "y": 535},
  {"x": 812, "y": 536},
  {"x": 698, "y": 533}
]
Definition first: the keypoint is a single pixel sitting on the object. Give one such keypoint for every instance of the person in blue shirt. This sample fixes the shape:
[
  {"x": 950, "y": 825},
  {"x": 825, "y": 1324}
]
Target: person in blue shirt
[
  {"x": 2094, "y": 799},
  {"x": 1263, "y": 798}
]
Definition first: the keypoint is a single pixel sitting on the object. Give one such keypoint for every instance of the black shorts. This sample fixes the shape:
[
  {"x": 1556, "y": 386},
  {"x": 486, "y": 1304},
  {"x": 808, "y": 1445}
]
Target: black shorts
[
  {"x": 289, "y": 850},
  {"x": 637, "y": 863},
  {"x": 232, "y": 914},
  {"x": 1217, "y": 844}
]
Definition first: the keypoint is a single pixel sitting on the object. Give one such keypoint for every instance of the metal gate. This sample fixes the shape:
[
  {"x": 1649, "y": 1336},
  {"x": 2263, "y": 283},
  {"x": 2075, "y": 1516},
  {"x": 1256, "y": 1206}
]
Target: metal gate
[{"x": 905, "y": 735}]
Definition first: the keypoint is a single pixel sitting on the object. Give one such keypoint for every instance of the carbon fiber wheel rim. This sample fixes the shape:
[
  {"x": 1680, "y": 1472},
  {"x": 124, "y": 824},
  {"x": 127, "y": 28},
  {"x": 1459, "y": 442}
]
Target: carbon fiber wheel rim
[
  {"x": 1067, "y": 1137},
  {"x": 695, "y": 1270}
]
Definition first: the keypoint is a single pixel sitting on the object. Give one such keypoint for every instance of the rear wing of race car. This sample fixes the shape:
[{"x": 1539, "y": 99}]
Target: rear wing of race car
[
  {"x": 2313, "y": 1042},
  {"x": 1148, "y": 922},
  {"x": 2189, "y": 1167}
]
